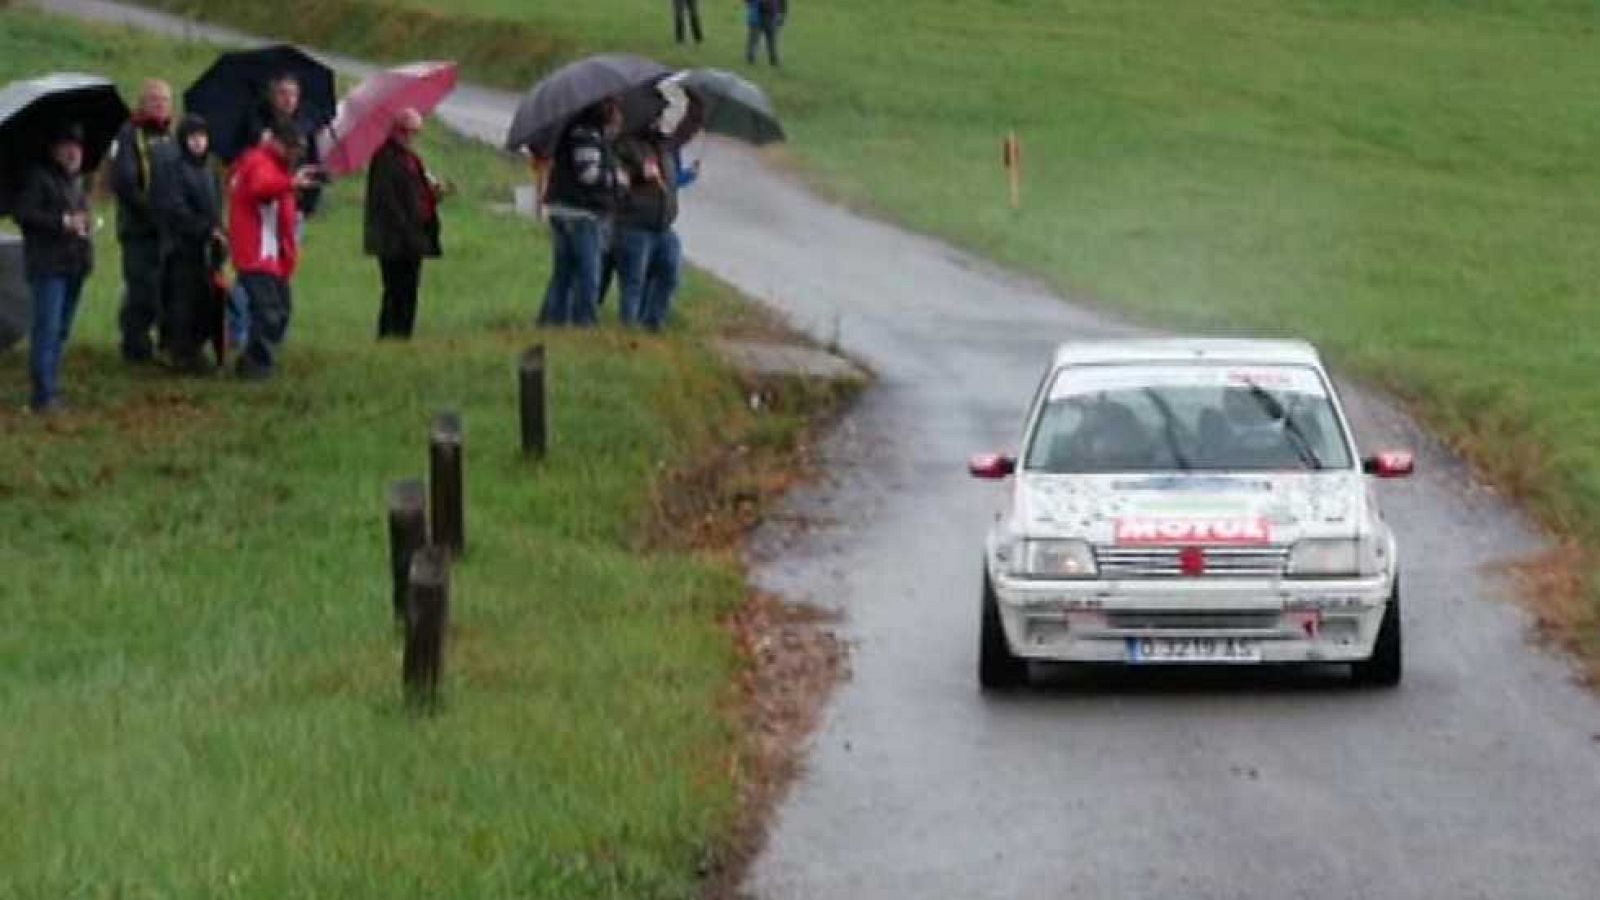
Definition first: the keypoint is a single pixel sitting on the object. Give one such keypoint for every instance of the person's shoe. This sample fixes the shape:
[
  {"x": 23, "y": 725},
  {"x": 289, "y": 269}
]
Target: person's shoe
[
  {"x": 192, "y": 364},
  {"x": 137, "y": 355},
  {"x": 248, "y": 371},
  {"x": 53, "y": 407}
]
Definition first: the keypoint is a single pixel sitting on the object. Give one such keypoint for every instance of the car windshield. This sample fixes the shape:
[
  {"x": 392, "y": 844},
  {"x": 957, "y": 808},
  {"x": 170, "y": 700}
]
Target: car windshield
[{"x": 1102, "y": 419}]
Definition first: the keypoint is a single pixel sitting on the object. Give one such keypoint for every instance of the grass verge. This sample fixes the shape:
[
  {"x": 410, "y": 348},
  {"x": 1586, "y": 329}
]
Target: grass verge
[
  {"x": 200, "y": 689},
  {"x": 1405, "y": 182}
]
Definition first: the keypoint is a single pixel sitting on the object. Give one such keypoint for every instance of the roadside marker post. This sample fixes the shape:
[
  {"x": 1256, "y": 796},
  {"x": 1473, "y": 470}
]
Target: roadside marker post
[
  {"x": 1011, "y": 157},
  {"x": 427, "y": 620},
  {"x": 530, "y": 383},
  {"x": 408, "y": 533},
  {"x": 447, "y": 485}
]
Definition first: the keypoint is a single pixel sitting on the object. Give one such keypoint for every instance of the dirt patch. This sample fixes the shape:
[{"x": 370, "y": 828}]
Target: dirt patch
[
  {"x": 1558, "y": 588},
  {"x": 795, "y": 661}
]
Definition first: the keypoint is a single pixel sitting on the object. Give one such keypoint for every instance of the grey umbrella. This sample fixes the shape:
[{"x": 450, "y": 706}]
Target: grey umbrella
[
  {"x": 735, "y": 106},
  {"x": 550, "y": 105}
]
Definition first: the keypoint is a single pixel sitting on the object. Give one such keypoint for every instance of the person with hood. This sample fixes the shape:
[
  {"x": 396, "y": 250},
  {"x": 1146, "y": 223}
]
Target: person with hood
[
  {"x": 651, "y": 256},
  {"x": 262, "y": 215},
  {"x": 402, "y": 223},
  {"x": 52, "y": 210},
  {"x": 585, "y": 183},
  {"x": 765, "y": 18},
  {"x": 189, "y": 206},
  {"x": 133, "y": 164}
]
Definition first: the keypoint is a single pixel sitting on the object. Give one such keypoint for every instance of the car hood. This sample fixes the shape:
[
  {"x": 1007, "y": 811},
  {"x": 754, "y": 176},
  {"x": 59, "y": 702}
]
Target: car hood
[{"x": 1244, "y": 509}]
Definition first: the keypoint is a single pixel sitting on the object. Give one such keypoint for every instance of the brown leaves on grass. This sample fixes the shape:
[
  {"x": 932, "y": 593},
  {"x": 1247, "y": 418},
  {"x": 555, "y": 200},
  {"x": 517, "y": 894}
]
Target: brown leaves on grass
[{"x": 1559, "y": 589}]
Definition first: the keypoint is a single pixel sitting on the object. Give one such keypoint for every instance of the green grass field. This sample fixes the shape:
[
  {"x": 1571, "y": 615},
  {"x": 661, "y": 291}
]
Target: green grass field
[
  {"x": 1409, "y": 183},
  {"x": 198, "y": 669}
]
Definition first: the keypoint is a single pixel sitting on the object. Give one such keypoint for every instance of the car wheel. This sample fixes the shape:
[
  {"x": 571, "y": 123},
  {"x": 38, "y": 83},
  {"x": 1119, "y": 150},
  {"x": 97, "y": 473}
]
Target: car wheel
[
  {"x": 998, "y": 667},
  {"x": 1383, "y": 668}
]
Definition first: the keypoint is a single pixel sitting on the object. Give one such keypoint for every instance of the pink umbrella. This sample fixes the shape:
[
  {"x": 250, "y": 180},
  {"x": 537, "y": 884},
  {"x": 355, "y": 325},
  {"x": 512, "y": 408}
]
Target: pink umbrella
[{"x": 366, "y": 115}]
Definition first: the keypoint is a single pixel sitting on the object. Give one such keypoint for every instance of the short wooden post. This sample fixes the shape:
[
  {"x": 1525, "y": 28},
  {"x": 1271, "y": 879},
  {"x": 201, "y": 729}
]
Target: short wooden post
[
  {"x": 1011, "y": 152},
  {"x": 530, "y": 379},
  {"x": 408, "y": 533},
  {"x": 427, "y": 619},
  {"x": 446, "y": 481}
]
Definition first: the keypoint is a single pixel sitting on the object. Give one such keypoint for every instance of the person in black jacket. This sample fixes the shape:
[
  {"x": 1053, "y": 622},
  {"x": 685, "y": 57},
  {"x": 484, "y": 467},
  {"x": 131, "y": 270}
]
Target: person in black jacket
[
  {"x": 650, "y": 256},
  {"x": 188, "y": 202},
  {"x": 585, "y": 183},
  {"x": 402, "y": 223},
  {"x": 133, "y": 165},
  {"x": 52, "y": 209}
]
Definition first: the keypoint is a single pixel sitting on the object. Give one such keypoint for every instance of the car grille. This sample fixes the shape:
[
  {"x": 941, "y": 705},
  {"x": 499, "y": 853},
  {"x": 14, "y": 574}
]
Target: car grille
[
  {"x": 1162, "y": 562},
  {"x": 1233, "y": 620}
]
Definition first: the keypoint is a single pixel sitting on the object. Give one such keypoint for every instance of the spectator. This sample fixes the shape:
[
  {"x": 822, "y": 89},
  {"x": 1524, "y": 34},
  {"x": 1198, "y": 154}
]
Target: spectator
[
  {"x": 133, "y": 164},
  {"x": 765, "y": 18},
  {"x": 687, "y": 12},
  {"x": 188, "y": 202},
  {"x": 402, "y": 223},
  {"x": 262, "y": 215},
  {"x": 651, "y": 256},
  {"x": 585, "y": 183},
  {"x": 52, "y": 209}
]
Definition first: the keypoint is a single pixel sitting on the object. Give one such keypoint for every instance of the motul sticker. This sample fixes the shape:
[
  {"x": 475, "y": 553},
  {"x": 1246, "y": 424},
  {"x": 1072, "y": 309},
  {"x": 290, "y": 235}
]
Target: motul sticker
[{"x": 1229, "y": 531}]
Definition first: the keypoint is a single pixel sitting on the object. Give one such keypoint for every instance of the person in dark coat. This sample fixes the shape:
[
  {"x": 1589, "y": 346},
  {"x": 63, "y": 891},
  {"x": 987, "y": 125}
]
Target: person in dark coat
[
  {"x": 585, "y": 184},
  {"x": 402, "y": 226},
  {"x": 188, "y": 201},
  {"x": 765, "y": 19},
  {"x": 651, "y": 256},
  {"x": 52, "y": 210},
  {"x": 133, "y": 165},
  {"x": 687, "y": 12}
]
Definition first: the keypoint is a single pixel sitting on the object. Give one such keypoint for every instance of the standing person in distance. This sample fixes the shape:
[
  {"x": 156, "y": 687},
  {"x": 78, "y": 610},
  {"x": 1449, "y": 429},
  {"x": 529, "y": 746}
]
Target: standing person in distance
[
  {"x": 687, "y": 12},
  {"x": 585, "y": 184},
  {"x": 52, "y": 210},
  {"x": 765, "y": 19},
  {"x": 651, "y": 256},
  {"x": 188, "y": 201},
  {"x": 262, "y": 216},
  {"x": 133, "y": 167},
  {"x": 402, "y": 223}
]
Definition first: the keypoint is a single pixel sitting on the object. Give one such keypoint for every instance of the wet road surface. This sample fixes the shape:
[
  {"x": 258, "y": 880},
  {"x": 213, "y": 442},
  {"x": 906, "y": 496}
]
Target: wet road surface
[{"x": 1479, "y": 777}]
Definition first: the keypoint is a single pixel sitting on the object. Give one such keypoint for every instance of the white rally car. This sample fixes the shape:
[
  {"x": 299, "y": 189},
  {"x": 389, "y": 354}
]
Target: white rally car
[{"x": 1189, "y": 501}]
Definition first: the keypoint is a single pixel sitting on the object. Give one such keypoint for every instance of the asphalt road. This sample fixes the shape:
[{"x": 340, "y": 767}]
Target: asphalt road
[{"x": 1479, "y": 777}]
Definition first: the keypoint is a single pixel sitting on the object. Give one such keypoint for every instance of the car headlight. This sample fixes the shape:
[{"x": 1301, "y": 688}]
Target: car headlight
[
  {"x": 1052, "y": 559},
  {"x": 1337, "y": 558}
]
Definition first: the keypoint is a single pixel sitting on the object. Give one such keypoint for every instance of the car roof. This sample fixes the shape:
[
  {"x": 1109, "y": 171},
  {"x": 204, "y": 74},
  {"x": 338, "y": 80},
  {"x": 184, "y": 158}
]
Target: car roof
[{"x": 1169, "y": 350}]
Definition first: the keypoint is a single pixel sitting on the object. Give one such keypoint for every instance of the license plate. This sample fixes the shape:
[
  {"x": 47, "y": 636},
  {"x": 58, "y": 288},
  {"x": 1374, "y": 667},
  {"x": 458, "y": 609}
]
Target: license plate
[{"x": 1193, "y": 649}]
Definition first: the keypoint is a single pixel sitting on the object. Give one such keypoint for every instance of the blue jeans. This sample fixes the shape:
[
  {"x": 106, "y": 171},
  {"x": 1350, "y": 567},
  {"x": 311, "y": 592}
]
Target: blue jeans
[
  {"x": 649, "y": 266},
  {"x": 55, "y": 302},
  {"x": 238, "y": 316},
  {"x": 574, "y": 288}
]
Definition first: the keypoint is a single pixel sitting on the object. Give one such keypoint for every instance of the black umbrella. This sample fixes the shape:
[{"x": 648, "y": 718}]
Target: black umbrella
[
  {"x": 550, "y": 105},
  {"x": 32, "y": 111},
  {"x": 735, "y": 106},
  {"x": 232, "y": 95}
]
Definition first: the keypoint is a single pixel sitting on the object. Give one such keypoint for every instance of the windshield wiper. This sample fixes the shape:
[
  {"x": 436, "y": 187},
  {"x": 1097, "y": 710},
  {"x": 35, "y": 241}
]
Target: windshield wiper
[
  {"x": 1170, "y": 429},
  {"x": 1302, "y": 444}
]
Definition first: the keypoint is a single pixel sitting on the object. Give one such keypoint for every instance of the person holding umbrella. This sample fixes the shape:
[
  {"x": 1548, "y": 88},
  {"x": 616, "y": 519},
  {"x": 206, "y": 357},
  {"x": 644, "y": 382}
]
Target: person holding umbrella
[
  {"x": 651, "y": 256},
  {"x": 189, "y": 206},
  {"x": 585, "y": 184},
  {"x": 402, "y": 223},
  {"x": 52, "y": 209},
  {"x": 262, "y": 219},
  {"x": 133, "y": 166}
]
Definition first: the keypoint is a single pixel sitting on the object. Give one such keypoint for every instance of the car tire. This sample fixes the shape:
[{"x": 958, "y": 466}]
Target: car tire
[
  {"x": 1384, "y": 667},
  {"x": 998, "y": 668}
]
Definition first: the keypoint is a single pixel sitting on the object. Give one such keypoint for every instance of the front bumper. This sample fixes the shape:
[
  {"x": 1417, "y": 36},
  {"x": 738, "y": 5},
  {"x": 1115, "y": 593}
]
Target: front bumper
[{"x": 1279, "y": 621}]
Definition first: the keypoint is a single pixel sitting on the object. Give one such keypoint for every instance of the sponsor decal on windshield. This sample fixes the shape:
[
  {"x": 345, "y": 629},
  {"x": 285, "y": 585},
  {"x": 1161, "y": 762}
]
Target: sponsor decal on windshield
[
  {"x": 1294, "y": 379},
  {"x": 1248, "y": 531}
]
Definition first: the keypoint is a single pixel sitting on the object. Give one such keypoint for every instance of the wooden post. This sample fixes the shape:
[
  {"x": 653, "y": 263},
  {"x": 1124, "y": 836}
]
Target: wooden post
[
  {"x": 1012, "y": 156},
  {"x": 447, "y": 484},
  {"x": 408, "y": 533},
  {"x": 427, "y": 619},
  {"x": 530, "y": 379}
]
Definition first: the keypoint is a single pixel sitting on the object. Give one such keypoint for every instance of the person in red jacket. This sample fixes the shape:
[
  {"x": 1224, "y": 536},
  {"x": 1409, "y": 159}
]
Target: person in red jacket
[{"x": 261, "y": 235}]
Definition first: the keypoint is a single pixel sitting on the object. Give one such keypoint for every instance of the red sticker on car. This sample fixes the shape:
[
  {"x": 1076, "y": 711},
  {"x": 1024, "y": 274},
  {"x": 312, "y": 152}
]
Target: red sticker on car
[{"x": 1229, "y": 532}]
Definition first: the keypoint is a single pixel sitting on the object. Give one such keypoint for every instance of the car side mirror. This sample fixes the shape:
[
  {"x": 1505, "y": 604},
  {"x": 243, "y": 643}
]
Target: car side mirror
[
  {"x": 1389, "y": 464},
  {"x": 992, "y": 466}
]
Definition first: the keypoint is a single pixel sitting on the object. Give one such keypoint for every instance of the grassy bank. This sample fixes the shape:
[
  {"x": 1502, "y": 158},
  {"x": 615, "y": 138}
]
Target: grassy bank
[
  {"x": 1406, "y": 182},
  {"x": 199, "y": 689}
]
